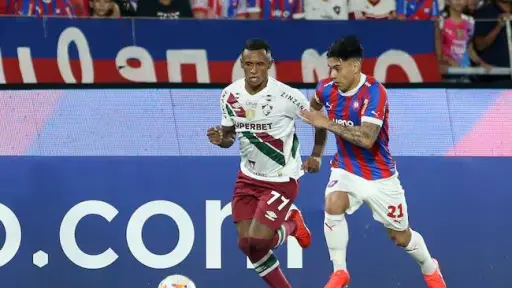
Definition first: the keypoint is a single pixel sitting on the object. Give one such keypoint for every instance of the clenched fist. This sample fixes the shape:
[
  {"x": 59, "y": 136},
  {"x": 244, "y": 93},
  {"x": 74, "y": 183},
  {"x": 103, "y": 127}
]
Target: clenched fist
[
  {"x": 312, "y": 165},
  {"x": 215, "y": 135}
]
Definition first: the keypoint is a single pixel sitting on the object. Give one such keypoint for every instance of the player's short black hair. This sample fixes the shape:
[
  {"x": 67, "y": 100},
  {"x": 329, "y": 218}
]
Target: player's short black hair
[
  {"x": 255, "y": 44},
  {"x": 346, "y": 48}
]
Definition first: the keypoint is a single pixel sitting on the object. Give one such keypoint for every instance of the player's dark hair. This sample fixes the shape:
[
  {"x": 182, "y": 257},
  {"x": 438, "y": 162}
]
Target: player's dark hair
[
  {"x": 346, "y": 48},
  {"x": 257, "y": 44}
]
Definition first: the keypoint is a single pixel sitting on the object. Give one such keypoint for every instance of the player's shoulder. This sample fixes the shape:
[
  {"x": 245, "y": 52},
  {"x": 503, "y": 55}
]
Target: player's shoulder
[
  {"x": 324, "y": 83},
  {"x": 233, "y": 88},
  {"x": 236, "y": 86},
  {"x": 374, "y": 86},
  {"x": 372, "y": 82},
  {"x": 280, "y": 87}
]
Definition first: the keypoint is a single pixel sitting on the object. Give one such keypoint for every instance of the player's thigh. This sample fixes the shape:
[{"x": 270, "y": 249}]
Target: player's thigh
[
  {"x": 243, "y": 227},
  {"x": 273, "y": 206},
  {"x": 341, "y": 193},
  {"x": 389, "y": 205},
  {"x": 243, "y": 207}
]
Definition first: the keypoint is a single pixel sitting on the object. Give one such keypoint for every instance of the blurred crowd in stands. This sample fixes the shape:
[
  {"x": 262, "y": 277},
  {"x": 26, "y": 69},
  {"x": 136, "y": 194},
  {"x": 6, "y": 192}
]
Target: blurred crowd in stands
[{"x": 471, "y": 33}]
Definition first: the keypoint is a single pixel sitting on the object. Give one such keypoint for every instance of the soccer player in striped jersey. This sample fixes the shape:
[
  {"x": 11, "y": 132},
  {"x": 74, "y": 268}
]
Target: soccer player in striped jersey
[
  {"x": 261, "y": 112},
  {"x": 363, "y": 170}
]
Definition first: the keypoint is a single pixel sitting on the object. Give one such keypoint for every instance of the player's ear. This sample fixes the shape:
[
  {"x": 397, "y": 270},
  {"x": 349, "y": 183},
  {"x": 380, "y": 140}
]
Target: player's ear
[{"x": 357, "y": 65}]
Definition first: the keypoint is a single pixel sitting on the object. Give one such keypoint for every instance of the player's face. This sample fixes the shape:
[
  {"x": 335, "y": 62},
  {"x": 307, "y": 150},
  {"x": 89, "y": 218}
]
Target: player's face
[
  {"x": 343, "y": 73},
  {"x": 256, "y": 65}
]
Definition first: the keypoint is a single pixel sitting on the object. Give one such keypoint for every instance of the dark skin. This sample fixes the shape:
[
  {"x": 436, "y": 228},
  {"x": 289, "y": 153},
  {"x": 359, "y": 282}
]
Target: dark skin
[
  {"x": 256, "y": 64},
  {"x": 346, "y": 75},
  {"x": 483, "y": 42}
]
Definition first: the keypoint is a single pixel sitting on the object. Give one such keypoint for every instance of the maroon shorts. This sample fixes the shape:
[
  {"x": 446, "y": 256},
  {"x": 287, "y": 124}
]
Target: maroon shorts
[{"x": 267, "y": 202}]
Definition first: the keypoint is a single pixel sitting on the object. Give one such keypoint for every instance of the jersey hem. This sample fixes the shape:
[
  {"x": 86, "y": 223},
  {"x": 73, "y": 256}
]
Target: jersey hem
[
  {"x": 373, "y": 180},
  {"x": 278, "y": 179}
]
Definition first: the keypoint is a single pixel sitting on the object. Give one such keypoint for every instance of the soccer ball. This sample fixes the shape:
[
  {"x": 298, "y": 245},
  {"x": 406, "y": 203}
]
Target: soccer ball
[{"x": 176, "y": 281}]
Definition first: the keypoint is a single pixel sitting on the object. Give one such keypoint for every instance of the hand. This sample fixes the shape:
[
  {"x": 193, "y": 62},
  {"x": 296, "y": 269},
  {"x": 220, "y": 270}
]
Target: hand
[
  {"x": 312, "y": 165},
  {"x": 503, "y": 18},
  {"x": 215, "y": 135},
  {"x": 487, "y": 67},
  {"x": 315, "y": 118}
]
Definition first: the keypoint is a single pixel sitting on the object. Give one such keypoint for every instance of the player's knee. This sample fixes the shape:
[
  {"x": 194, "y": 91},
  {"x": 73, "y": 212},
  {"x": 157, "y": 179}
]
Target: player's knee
[
  {"x": 260, "y": 245},
  {"x": 401, "y": 238},
  {"x": 336, "y": 203},
  {"x": 244, "y": 245}
]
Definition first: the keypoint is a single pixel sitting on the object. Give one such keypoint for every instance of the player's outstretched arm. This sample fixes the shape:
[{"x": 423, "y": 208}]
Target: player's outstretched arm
[
  {"x": 363, "y": 136},
  {"x": 320, "y": 133}
]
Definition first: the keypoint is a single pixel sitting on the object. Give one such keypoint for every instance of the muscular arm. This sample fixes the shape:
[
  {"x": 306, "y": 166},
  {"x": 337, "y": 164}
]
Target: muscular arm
[
  {"x": 363, "y": 136},
  {"x": 320, "y": 133},
  {"x": 227, "y": 136}
]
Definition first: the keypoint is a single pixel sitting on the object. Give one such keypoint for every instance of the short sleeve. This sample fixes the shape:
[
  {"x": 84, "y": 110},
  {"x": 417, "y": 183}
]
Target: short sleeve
[
  {"x": 254, "y": 6},
  {"x": 298, "y": 103},
  {"x": 377, "y": 101},
  {"x": 298, "y": 11},
  {"x": 318, "y": 93},
  {"x": 471, "y": 28},
  {"x": 226, "y": 117}
]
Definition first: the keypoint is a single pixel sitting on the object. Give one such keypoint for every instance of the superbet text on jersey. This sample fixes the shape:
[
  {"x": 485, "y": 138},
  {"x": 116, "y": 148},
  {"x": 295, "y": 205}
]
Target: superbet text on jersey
[{"x": 265, "y": 127}]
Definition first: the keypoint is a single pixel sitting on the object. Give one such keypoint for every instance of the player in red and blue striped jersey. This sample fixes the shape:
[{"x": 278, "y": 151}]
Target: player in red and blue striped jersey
[
  {"x": 363, "y": 170},
  {"x": 367, "y": 104}
]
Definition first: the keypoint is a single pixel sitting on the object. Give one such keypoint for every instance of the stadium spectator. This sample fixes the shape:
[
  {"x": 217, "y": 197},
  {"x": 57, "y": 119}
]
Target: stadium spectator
[
  {"x": 421, "y": 10},
  {"x": 491, "y": 37},
  {"x": 128, "y": 8},
  {"x": 457, "y": 31},
  {"x": 276, "y": 9},
  {"x": 372, "y": 9},
  {"x": 165, "y": 9},
  {"x": 40, "y": 8},
  {"x": 217, "y": 9},
  {"x": 326, "y": 9},
  {"x": 104, "y": 9}
]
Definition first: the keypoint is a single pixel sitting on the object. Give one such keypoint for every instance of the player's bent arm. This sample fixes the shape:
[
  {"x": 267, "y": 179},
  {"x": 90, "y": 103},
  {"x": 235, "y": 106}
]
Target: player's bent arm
[
  {"x": 363, "y": 136},
  {"x": 320, "y": 133},
  {"x": 227, "y": 136}
]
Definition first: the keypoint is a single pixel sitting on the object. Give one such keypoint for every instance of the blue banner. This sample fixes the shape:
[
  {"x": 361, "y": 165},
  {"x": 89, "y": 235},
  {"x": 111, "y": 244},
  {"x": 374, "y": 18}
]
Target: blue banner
[
  {"x": 92, "y": 222},
  {"x": 53, "y": 50}
]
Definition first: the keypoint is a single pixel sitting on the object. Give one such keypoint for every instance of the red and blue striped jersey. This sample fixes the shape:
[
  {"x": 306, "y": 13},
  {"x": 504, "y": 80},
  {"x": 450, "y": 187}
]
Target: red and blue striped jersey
[
  {"x": 366, "y": 103},
  {"x": 418, "y": 9},
  {"x": 277, "y": 9},
  {"x": 39, "y": 8}
]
